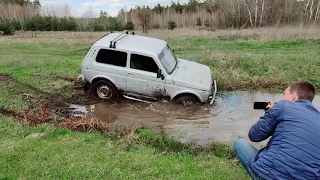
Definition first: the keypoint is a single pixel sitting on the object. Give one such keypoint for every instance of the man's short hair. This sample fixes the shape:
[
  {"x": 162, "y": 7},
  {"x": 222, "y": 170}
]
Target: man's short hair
[{"x": 305, "y": 90}]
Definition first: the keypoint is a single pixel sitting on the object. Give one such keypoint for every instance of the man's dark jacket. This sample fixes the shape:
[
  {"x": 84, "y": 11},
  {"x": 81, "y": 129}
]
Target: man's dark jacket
[{"x": 293, "y": 151}]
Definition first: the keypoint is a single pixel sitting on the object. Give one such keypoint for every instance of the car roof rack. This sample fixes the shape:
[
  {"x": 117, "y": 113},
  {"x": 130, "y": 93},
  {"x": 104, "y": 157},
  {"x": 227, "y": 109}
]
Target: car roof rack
[
  {"x": 118, "y": 38},
  {"x": 115, "y": 40}
]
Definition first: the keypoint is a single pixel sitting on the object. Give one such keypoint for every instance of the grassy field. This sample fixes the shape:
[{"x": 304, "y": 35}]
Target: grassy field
[
  {"x": 40, "y": 65},
  {"x": 247, "y": 60},
  {"x": 239, "y": 63},
  {"x": 61, "y": 154}
]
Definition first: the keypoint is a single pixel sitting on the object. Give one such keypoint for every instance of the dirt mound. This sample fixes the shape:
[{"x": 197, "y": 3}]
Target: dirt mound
[
  {"x": 5, "y": 77},
  {"x": 43, "y": 116}
]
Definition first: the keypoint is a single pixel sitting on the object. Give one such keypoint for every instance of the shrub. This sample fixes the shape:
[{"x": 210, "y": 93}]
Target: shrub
[
  {"x": 30, "y": 24},
  {"x": 129, "y": 26},
  {"x": 51, "y": 23},
  {"x": 207, "y": 23},
  {"x": 98, "y": 27},
  {"x": 7, "y": 27},
  {"x": 68, "y": 24},
  {"x": 114, "y": 25},
  {"x": 171, "y": 25},
  {"x": 16, "y": 25},
  {"x": 199, "y": 22},
  {"x": 155, "y": 26}
]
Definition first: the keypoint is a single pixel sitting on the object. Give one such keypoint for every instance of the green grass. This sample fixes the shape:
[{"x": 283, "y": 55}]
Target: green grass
[
  {"x": 232, "y": 60},
  {"x": 62, "y": 154},
  {"x": 237, "y": 61},
  {"x": 40, "y": 64}
]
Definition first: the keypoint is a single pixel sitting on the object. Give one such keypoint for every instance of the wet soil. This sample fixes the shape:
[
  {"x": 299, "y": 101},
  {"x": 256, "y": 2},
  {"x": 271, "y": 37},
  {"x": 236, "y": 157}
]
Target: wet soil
[{"x": 5, "y": 77}]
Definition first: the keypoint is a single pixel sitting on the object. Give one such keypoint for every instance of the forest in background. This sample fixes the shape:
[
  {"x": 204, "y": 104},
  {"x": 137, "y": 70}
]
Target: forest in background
[{"x": 208, "y": 14}]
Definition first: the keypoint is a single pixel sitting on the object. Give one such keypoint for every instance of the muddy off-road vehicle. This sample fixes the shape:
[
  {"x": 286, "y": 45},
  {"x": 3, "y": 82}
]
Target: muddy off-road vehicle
[{"x": 143, "y": 68}]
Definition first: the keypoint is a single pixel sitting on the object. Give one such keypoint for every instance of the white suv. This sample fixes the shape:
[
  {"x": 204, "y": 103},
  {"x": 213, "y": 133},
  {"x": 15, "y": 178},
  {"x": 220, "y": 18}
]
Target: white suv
[{"x": 144, "y": 68}]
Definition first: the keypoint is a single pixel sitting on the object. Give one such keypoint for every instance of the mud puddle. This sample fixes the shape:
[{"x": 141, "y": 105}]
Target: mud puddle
[
  {"x": 232, "y": 117},
  {"x": 229, "y": 119},
  {"x": 132, "y": 113}
]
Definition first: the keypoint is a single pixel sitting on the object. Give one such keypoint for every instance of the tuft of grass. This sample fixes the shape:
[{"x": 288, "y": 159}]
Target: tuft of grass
[
  {"x": 161, "y": 142},
  {"x": 165, "y": 144}
]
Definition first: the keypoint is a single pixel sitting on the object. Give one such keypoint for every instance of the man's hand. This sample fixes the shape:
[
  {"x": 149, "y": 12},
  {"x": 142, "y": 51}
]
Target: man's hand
[
  {"x": 269, "y": 106},
  {"x": 267, "y": 124}
]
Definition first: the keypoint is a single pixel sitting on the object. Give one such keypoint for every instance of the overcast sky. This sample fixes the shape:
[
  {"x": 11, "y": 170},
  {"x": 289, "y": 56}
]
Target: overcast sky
[{"x": 112, "y": 7}]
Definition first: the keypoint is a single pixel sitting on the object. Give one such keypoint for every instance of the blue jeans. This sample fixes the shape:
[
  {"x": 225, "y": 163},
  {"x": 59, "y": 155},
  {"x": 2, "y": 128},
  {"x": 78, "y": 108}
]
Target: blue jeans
[{"x": 245, "y": 152}]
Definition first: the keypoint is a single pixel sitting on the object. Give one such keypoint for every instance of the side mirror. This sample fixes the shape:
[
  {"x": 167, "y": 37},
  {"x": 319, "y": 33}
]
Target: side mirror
[{"x": 160, "y": 75}]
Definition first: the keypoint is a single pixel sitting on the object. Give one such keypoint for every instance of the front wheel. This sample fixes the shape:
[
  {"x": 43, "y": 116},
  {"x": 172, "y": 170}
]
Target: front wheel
[
  {"x": 105, "y": 90},
  {"x": 186, "y": 100}
]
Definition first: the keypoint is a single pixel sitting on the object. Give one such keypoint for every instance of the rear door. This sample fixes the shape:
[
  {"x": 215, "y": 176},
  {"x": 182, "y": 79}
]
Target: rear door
[
  {"x": 111, "y": 64},
  {"x": 142, "y": 76}
]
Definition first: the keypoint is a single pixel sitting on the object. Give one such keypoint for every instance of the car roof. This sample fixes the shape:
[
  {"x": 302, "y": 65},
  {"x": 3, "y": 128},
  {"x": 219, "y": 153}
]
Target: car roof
[{"x": 136, "y": 43}]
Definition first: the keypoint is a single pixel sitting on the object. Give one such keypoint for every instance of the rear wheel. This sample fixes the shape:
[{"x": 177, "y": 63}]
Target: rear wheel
[
  {"x": 105, "y": 90},
  {"x": 186, "y": 99}
]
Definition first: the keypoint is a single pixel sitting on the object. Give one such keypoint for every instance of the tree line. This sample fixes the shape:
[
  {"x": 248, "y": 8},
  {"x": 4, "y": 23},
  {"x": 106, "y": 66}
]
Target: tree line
[
  {"x": 213, "y": 14},
  {"x": 221, "y": 14}
]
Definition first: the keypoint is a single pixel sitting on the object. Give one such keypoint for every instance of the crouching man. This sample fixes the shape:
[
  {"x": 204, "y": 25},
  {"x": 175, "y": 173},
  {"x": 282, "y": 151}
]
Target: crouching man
[{"x": 293, "y": 151}]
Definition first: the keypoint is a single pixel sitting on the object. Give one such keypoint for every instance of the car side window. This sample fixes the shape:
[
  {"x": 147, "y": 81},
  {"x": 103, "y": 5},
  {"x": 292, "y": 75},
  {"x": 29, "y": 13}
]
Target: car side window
[
  {"x": 143, "y": 63},
  {"x": 111, "y": 57}
]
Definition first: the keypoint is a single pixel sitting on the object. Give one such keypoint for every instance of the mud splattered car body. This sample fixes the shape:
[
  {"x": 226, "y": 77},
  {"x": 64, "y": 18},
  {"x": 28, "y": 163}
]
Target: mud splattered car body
[{"x": 144, "y": 68}]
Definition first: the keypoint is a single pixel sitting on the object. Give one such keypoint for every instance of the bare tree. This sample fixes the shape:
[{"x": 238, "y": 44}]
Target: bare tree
[
  {"x": 256, "y": 14},
  {"x": 15, "y": 11},
  {"x": 316, "y": 18},
  {"x": 262, "y": 13},
  {"x": 311, "y": 10},
  {"x": 249, "y": 12},
  {"x": 144, "y": 16}
]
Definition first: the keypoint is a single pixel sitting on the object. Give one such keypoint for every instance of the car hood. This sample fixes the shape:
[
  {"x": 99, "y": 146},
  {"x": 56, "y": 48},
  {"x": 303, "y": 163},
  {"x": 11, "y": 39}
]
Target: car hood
[{"x": 193, "y": 75}]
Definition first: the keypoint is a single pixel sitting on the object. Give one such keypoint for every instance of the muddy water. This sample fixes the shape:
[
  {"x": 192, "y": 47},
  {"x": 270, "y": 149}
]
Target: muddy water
[
  {"x": 230, "y": 118},
  {"x": 132, "y": 113}
]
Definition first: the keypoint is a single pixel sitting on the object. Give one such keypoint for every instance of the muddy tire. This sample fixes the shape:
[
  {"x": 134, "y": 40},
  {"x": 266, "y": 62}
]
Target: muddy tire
[
  {"x": 186, "y": 100},
  {"x": 105, "y": 90}
]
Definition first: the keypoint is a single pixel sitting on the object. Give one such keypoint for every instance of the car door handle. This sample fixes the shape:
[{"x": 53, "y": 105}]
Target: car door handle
[{"x": 131, "y": 74}]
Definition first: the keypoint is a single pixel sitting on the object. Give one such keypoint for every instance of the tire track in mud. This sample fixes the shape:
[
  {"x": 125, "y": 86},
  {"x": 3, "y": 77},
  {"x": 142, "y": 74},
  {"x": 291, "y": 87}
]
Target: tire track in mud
[{"x": 45, "y": 107}]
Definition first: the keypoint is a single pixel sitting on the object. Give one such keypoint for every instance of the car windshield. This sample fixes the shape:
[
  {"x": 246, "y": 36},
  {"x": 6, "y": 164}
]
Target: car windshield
[{"x": 168, "y": 60}]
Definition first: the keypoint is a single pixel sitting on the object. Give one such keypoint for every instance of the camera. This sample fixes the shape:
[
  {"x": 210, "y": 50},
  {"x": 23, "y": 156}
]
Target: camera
[{"x": 260, "y": 105}]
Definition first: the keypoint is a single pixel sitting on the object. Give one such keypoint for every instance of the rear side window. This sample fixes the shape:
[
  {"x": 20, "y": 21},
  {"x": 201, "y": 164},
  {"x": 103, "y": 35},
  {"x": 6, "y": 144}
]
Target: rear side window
[
  {"x": 143, "y": 63},
  {"x": 116, "y": 58}
]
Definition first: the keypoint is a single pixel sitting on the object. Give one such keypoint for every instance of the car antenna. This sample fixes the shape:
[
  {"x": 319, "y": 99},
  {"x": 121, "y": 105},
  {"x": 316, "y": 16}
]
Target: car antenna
[{"x": 115, "y": 39}]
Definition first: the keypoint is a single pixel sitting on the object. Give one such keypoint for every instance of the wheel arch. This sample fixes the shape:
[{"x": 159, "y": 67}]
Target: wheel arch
[
  {"x": 183, "y": 93},
  {"x": 98, "y": 78}
]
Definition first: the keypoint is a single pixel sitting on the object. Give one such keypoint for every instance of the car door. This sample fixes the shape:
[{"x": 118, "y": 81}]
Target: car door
[
  {"x": 142, "y": 76},
  {"x": 111, "y": 64}
]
